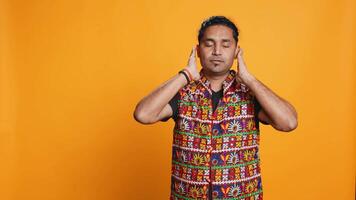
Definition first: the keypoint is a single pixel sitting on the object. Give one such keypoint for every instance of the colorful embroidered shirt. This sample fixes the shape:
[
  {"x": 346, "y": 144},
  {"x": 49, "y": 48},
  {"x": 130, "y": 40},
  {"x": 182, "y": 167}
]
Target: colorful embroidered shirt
[{"x": 215, "y": 154}]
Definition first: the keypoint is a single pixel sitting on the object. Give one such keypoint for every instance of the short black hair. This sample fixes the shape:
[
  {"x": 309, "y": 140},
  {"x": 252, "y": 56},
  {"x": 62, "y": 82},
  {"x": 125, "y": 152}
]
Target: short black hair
[{"x": 218, "y": 20}]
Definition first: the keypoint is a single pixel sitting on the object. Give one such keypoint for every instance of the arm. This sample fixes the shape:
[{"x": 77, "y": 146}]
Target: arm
[
  {"x": 275, "y": 110},
  {"x": 154, "y": 107}
]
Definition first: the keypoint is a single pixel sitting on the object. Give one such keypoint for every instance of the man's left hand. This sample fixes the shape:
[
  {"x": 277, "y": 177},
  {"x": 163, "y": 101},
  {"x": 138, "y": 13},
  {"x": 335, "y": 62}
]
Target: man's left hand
[{"x": 242, "y": 73}]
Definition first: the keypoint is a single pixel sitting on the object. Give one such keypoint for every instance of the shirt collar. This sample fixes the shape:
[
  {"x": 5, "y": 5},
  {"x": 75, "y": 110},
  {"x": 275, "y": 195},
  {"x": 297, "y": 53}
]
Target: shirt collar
[{"x": 231, "y": 77}]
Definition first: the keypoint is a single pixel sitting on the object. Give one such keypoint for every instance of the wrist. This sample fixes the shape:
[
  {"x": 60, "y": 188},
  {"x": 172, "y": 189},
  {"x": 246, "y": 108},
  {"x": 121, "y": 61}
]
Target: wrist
[
  {"x": 182, "y": 80},
  {"x": 185, "y": 76},
  {"x": 189, "y": 74},
  {"x": 247, "y": 78}
]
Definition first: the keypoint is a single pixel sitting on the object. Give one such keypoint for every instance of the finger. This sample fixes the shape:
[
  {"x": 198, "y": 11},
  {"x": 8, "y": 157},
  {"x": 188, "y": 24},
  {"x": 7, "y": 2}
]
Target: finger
[
  {"x": 191, "y": 59},
  {"x": 240, "y": 52},
  {"x": 192, "y": 54}
]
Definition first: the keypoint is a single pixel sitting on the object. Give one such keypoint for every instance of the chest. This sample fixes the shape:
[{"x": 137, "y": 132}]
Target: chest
[{"x": 234, "y": 113}]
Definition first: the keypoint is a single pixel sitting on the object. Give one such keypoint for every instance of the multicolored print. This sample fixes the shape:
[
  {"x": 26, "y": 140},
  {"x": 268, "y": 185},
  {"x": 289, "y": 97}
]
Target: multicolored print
[{"x": 216, "y": 152}]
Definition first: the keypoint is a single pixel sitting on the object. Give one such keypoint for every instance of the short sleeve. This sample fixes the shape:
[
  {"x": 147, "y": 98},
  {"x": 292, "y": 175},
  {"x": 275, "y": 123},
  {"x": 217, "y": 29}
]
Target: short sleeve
[
  {"x": 174, "y": 105},
  {"x": 257, "y": 108}
]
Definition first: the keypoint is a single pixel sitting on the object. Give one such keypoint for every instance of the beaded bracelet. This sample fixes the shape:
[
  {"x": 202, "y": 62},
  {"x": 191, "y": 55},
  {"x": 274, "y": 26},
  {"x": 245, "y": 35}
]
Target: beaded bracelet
[{"x": 185, "y": 75}]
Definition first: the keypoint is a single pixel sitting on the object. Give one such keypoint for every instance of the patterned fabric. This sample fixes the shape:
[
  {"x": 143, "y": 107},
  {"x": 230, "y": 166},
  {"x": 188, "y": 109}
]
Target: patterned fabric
[{"x": 215, "y": 155}]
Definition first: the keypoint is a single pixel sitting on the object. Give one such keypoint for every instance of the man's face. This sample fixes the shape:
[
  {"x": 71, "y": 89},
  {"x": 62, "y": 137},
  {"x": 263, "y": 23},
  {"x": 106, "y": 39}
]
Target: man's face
[{"x": 217, "y": 50}]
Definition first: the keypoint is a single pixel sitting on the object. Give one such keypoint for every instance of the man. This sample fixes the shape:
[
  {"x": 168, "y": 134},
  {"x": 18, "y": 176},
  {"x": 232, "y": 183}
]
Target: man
[{"x": 217, "y": 112}]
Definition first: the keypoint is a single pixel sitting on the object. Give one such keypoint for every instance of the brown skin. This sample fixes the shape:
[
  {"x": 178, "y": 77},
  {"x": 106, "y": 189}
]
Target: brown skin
[
  {"x": 216, "y": 50},
  {"x": 218, "y": 44}
]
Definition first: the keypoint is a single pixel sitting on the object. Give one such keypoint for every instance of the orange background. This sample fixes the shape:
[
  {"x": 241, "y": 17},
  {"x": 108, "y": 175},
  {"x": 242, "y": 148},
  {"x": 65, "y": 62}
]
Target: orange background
[{"x": 73, "y": 71}]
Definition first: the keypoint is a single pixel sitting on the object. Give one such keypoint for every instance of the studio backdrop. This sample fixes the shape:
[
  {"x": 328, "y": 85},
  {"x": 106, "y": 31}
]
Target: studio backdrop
[{"x": 73, "y": 71}]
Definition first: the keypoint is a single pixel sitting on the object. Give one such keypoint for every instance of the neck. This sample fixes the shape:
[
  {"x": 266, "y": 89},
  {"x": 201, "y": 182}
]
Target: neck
[{"x": 216, "y": 80}]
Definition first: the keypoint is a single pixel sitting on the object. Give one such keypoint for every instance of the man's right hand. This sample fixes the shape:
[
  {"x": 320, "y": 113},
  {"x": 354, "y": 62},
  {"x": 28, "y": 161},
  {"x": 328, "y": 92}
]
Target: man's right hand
[
  {"x": 192, "y": 65},
  {"x": 155, "y": 106}
]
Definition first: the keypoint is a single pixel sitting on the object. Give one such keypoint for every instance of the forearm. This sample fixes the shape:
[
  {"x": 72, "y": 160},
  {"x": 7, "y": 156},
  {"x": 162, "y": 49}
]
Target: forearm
[
  {"x": 151, "y": 105},
  {"x": 282, "y": 114}
]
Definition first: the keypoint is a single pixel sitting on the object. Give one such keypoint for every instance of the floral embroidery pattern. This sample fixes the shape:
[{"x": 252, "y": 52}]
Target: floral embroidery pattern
[{"x": 216, "y": 152}]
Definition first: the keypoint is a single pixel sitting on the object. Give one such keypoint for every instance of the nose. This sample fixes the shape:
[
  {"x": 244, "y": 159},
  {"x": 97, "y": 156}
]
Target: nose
[{"x": 216, "y": 50}]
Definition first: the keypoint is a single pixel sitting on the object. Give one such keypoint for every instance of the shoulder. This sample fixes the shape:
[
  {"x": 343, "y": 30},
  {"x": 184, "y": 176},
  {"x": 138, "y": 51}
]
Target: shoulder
[
  {"x": 242, "y": 86},
  {"x": 190, "y": 91},
  {"x": 241, "y": 90}
]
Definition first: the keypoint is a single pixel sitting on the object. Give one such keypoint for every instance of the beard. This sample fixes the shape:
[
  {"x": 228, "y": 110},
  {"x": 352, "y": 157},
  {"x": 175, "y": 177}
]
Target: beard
[{"x": 216, "y": 69}]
